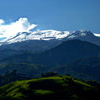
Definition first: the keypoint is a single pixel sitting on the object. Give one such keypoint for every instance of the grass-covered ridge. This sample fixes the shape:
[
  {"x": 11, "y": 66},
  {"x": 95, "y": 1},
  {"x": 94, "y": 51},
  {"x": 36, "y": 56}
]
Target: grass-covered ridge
[{"x": 49, "y": 88}]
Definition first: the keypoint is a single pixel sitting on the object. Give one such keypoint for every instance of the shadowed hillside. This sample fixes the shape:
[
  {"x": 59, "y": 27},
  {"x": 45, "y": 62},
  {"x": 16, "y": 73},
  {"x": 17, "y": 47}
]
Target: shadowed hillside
[
  {"x": 50, "y": 88},
  {"x": 61, "y": 55}
]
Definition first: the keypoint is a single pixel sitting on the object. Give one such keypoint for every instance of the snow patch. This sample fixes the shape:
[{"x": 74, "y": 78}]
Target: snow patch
[{"x": 98, "y": 35}]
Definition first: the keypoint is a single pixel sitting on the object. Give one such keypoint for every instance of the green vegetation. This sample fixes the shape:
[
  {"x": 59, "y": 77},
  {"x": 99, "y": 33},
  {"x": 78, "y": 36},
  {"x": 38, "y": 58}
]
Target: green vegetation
[
  {"x": 42, "y": 92},
  {"x": 50, "y": 88}
]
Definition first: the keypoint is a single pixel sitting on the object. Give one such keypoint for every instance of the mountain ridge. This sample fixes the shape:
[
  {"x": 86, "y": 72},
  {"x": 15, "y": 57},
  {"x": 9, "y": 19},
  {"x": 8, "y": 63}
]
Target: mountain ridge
[
  {"x": 58, "y": 59},
  {"x": 63, "y": 53},
  {"x": 40, "y": 41}
]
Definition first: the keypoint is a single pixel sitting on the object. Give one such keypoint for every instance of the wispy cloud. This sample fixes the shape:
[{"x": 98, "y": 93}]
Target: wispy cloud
[{"x": 11, "y": 29}]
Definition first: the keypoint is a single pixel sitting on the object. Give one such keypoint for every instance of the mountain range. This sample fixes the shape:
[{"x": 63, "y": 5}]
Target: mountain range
[
  {"x": 38, "y": 41},
  {"x": 62, "y": 54},
  {"x": 50, "y": 50}
]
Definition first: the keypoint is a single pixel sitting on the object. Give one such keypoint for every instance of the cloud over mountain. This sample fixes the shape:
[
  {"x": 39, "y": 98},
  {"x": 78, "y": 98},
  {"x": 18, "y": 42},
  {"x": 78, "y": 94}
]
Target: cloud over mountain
[{"x": 21, "y": 25}]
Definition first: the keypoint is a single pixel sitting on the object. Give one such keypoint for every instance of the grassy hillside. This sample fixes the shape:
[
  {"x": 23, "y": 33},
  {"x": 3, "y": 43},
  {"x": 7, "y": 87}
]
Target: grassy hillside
[{"x": 50, "y": 88}]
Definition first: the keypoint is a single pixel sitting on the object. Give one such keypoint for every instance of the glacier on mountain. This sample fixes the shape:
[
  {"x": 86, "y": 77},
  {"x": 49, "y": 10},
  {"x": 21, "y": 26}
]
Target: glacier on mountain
[
  {"x": 20, "y": 36},
  {"x": 48, "y": 35}
]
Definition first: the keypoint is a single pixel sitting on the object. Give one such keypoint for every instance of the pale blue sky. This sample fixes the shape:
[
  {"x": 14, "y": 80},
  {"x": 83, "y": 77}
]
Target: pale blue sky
[{"x": 54, "y": 14}]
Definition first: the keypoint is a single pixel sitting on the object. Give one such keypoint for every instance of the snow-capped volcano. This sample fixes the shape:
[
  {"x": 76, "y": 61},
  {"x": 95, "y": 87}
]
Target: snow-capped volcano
[
  {"x": 50, "y": 35},
  {"x": 39, "y": 41},
  {"x": 20, "y": 35}
]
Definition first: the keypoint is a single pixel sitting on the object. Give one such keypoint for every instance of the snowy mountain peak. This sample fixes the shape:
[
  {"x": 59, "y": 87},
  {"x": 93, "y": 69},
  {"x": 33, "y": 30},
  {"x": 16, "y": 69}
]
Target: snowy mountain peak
[
  {"x": 36, "y": 35},
  {"x": 97, "y": 35},
  {"x": 20, "y": 31},
  {"x": 48, "y": 35},
  {"x": 21, "y": 35},
  {"x": 38, "y": 41},
  {"x": 80, "y": 33},
  {"x": 83, "y": 33}
]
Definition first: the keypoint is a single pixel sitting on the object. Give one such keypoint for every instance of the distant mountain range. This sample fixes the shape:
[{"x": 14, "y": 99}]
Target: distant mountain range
[
  {"x": 51, "y": 51},
  {"x": 67, "y": 58},
  {"x": 62, "y": 54},
  {"x": 38, "y": 41}
]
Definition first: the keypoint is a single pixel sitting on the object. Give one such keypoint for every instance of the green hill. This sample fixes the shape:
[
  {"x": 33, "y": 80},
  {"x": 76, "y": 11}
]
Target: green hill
[{"x": 50, "y": 88}]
